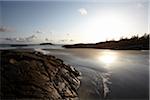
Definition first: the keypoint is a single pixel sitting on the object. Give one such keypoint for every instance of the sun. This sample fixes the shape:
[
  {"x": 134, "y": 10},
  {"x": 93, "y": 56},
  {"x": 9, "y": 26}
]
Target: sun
[{"x": 100, "y": 27}]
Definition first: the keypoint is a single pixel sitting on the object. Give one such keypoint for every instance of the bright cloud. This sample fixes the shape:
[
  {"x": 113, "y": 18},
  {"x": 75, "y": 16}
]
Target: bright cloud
[
  {"x": 82, "y": 11},
  {"x": 38, "y": 31},
  {"x": 31, "y": 38}
]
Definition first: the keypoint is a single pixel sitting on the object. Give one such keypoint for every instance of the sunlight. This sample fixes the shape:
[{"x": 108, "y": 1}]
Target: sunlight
[
  {"x": 102, "y": 25},
  {"x": 108, "y": 57}
]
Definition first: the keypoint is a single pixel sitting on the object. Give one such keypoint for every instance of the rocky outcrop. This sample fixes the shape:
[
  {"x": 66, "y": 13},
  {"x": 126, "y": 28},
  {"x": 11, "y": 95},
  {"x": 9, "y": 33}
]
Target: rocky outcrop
[{"x": 32, "y": 75}]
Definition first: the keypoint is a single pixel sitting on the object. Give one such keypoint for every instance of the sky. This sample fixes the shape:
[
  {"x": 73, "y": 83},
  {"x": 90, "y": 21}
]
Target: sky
[{"x": 70, "y": 21}]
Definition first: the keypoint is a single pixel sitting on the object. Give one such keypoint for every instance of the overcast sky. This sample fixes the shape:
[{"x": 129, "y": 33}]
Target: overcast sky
[{"x": 67, "y": 21}]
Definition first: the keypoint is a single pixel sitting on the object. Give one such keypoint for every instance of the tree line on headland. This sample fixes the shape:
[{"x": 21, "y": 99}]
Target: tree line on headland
[{"x": 133, "y": 43}]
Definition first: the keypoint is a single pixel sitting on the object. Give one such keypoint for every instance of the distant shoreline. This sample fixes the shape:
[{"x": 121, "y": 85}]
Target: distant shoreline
[
  {"x": 134, "y": 43},
  {"x": 25, "y": 44},
  {"x": 86, "y": 47}
]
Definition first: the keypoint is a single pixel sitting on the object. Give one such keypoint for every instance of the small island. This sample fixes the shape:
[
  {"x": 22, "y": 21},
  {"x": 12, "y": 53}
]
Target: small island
[
  {"x": 134, "y": 43},
  {"x": 18, "y": 45},
  {"x": 46, "y": 44}
]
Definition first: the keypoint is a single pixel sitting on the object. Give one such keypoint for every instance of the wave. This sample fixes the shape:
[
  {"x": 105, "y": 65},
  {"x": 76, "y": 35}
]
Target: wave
[
  {"x": 45, "y": 52},
  {"x": 106, "y": 82}
]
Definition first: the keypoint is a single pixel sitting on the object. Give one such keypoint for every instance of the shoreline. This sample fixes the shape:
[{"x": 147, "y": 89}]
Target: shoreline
[
  {"x": 37, "y": 76},
  {"x": 134, "y": 43},
  {"x": 95, "y": 46}
]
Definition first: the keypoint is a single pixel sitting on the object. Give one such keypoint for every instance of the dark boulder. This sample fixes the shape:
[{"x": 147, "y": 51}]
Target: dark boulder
[{"x": 32, "y": 75}]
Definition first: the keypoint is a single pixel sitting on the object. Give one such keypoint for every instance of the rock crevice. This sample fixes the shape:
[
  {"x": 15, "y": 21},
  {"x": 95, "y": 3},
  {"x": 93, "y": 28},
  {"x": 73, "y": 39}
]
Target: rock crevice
[{"x": 32, "y": 75}]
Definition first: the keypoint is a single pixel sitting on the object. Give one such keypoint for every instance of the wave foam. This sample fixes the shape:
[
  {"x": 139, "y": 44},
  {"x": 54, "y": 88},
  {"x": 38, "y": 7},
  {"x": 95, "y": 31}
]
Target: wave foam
[
  {"x": 42, "y": 51},
  {"x": 106, "y": 81}
]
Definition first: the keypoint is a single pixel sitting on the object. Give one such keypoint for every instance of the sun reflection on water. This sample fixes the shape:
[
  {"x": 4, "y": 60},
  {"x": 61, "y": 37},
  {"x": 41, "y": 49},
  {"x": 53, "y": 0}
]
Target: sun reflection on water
[{"x": 108, "y": 57}]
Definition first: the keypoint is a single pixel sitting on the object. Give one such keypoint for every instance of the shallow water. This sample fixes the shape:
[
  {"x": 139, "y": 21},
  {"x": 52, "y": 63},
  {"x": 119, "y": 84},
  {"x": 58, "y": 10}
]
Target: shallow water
[{"x": 114, "y": 74}]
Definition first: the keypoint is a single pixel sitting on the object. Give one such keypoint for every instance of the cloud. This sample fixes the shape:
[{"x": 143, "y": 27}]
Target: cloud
[
  {"x": 38, "y": 31},
  {"x": 82, "y": 11},
  {"x": 46, "y": 39},
  {"x": 20, "y": 39},
  {"x": 31, "y": 38},
  {"x": 66, "y": 40},
  {"x": 71, "y": 40},
  {"x": 7, "y": 39},
  {"x": 6, "y": 29}
]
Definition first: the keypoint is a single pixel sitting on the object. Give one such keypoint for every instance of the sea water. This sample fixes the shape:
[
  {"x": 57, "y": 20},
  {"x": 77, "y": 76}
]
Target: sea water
[{"x": 114, "y": 74}]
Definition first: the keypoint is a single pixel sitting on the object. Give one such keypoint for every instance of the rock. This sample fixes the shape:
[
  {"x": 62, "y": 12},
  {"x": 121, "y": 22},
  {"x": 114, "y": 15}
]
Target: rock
[
  {"x": 12, "y": 61},
  {"x": 32, "y": 75}
]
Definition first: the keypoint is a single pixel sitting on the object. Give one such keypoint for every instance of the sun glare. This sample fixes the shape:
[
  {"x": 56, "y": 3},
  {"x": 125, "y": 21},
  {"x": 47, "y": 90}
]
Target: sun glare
[
  {"x": 108, "y": 57},
  {"x": 102, "y": 25}
]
